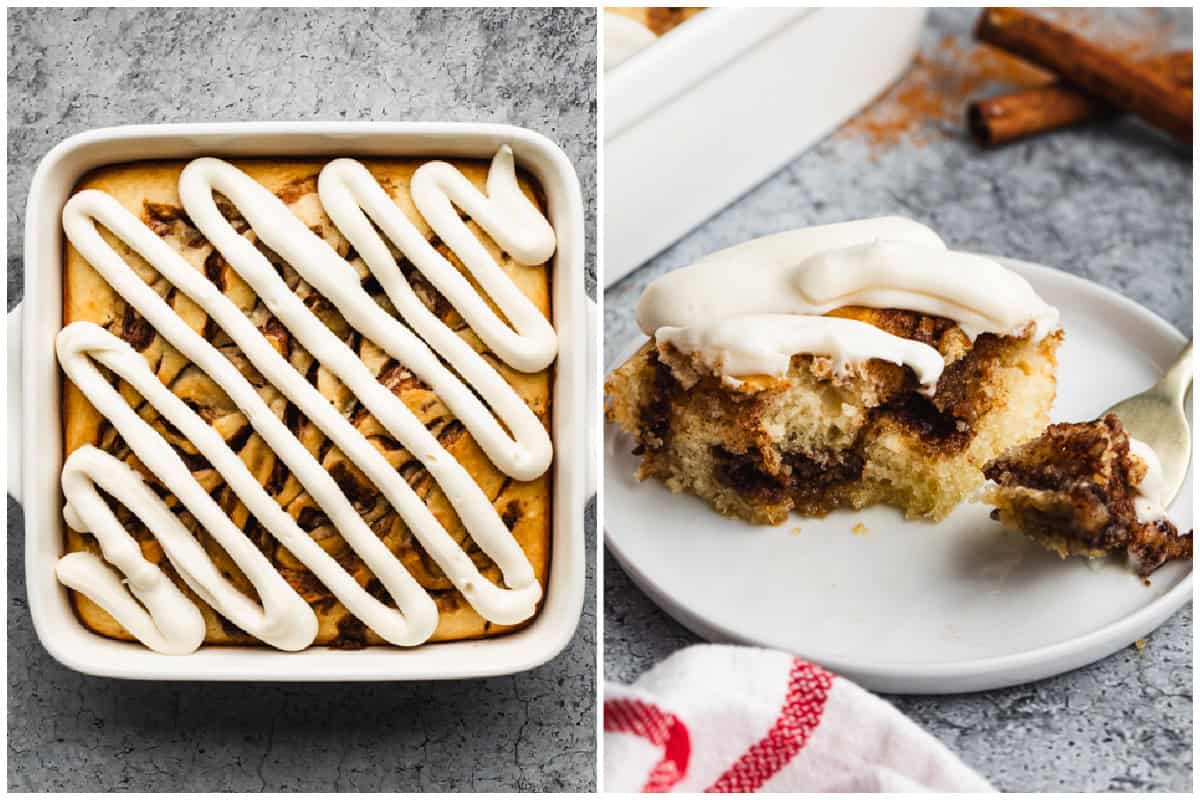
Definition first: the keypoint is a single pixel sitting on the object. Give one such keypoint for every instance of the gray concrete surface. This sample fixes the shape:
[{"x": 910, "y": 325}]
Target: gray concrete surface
[
  {"x": 70, "y": 70},
  {"x": 1110, "y": 202}
]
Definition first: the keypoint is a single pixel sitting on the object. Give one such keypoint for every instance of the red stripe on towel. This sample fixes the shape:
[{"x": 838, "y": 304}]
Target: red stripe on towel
[
  {"x": 660, "y": 728},
  {"x": 808, "y": 689}
]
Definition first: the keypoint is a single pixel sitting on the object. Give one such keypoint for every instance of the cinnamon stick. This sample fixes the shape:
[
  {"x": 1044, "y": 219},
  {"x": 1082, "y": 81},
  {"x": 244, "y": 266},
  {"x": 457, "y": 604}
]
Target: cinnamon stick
[
  {"x": 1002, "y": 119},
  {"x": 1090, "y": 68}
]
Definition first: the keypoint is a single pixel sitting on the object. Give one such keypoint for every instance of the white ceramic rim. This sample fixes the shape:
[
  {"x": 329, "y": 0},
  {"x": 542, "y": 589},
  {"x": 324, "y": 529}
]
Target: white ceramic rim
[
  {"x": 706, "y": 63},
  {"x": 683, "y": 57},
  {"x": 39, "y": 386},
  {"x": 972, "y": 674}
]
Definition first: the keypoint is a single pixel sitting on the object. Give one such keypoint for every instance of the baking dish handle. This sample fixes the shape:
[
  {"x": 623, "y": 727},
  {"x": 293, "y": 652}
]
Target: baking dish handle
[
  {"x": 14, "y": 403},
  {"x": 592, "y": 403}
]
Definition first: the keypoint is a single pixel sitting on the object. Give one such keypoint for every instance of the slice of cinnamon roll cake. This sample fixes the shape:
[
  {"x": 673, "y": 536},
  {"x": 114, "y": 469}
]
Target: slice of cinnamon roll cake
[{"x": 836, "y": 366}]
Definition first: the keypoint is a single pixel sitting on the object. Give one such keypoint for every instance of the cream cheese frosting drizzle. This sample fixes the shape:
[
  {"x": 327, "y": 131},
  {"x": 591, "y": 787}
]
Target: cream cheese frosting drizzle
[
  {"x": 756, "y": 277},
  {"x": 888, "y": 262},
  {"x": 977, "y": 293},
  {"x": 623, "y": 39},
  {"x": 1150, "y": 500},
  {"x": 501, "y": 213},
  {"x": 763, "y": 344},
  {"x": 353, "y": 200},
  {"x": 284, "y": 621},
  {"x": 166, "y": 621}
]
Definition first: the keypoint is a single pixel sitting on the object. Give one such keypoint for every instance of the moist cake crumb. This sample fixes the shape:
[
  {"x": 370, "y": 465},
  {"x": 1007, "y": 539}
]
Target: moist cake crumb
[
  {"x": 811, "y": 441},
  {"x": 1073, "y": 490}
]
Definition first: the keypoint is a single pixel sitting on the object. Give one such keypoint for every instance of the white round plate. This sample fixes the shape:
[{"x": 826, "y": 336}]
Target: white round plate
[{"x": 915, "y": 607}]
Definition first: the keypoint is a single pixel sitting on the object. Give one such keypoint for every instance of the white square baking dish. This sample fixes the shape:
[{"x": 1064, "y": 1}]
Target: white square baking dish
[
  {"x": 725, "y": 99},
  {"x": 35, "y": 482}
]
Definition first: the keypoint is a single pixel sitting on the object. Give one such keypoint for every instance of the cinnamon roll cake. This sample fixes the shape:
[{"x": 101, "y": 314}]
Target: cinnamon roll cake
[
  {"x": 306, "y": 402},
  {"x": 839, "y": 366},
  {"x": 1087, "y": 489}
]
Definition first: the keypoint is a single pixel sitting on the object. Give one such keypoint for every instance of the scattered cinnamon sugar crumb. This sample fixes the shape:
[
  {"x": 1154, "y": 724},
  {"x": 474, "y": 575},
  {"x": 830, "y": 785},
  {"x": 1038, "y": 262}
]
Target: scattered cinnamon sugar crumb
[
  {"x": 859, "y": 529},
  {"x": 929, "y": 102}
]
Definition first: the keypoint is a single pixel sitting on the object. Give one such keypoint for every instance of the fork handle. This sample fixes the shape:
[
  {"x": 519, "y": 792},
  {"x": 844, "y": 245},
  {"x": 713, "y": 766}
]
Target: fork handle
[{"x": 1179, "y": 377}]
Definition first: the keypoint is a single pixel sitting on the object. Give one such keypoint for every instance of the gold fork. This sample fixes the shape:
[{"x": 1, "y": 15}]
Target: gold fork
[{"x": 1157, "y": 417}]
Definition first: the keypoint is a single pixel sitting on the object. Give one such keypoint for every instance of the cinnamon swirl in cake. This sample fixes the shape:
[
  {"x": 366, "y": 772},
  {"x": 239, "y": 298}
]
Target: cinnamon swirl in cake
[
  {"x": 838, "y": 366},
  {"x": 306, "y": 402},
  {"x": 1087, "y": 489}
]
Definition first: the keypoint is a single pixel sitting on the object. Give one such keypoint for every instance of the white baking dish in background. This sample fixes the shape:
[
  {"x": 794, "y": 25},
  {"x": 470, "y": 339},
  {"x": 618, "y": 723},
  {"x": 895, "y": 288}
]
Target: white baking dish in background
[
  {"x": 34, "y": 478},
  {"x": 724, "y": 100}
]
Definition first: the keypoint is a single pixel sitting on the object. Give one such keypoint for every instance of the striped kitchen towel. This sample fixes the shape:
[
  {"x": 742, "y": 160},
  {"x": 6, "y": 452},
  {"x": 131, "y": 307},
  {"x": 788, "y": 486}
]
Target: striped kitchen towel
[{"x": 719, "y": 718}]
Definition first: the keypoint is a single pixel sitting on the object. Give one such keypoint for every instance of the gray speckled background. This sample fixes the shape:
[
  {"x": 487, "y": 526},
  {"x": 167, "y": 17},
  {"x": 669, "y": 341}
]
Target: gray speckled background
[
  {"x": 70, "y": 70},
  {"x": 1110, "y": 202}
]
